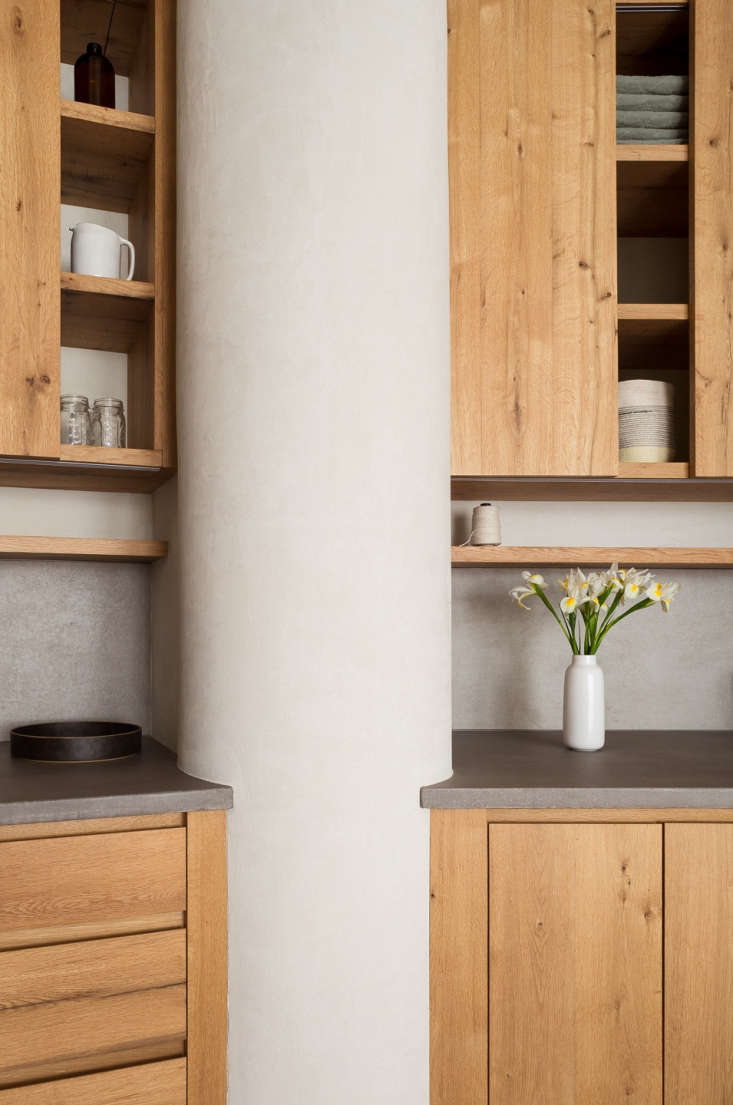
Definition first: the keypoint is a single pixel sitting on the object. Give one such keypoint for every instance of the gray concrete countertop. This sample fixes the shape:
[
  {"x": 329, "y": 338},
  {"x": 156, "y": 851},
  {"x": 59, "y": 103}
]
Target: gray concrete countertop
[
  {"x": 531, "y": 769},
  {"x": 144, "y": 784}
]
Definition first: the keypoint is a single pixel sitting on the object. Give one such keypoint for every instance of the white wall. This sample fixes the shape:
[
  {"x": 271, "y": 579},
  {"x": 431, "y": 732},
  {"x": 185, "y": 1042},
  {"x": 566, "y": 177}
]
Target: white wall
[{"x": 313, "y": 374}]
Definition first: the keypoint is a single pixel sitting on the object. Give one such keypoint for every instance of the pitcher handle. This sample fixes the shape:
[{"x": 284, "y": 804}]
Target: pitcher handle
[{"x": 131, "y": 262}]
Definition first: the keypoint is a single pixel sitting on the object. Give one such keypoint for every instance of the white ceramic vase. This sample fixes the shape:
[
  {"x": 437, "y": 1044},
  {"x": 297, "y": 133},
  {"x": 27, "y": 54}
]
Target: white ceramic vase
[{"x": 584, "y": 705}]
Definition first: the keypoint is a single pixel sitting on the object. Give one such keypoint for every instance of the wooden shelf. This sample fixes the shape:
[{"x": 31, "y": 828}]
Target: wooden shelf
[
  {"x": 490, "y": 556},
  {"x": 81, "y": 548},
  {"x": 679, "y": 470},
  {"x": 104, "y": 156},
  {"x": 105, "y": 285},
  {"x": 96, "y": 454},
  {"x": 608, "y": 489},
  {"x": 663, "y": 312},
  {"x": 651, "y": 153},
  {"x": 101, "y": 313}
]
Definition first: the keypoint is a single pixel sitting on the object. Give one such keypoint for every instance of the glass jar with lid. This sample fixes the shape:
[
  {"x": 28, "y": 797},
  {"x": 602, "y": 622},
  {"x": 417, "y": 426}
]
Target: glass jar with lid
[
  {"x": 75, "y": 422},
  {"x": 108, "y": 423}
]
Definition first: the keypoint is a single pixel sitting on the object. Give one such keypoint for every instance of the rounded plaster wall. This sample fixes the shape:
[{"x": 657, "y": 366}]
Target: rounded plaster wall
[{"x": 313, "y": 397}]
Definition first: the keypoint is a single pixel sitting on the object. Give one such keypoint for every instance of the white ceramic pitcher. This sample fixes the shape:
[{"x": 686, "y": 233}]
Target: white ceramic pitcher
[{"x": 95, "y": 251}]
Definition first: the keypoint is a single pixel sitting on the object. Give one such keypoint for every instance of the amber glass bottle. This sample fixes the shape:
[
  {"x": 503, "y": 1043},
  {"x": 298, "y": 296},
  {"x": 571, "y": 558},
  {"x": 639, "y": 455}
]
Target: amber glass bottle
[{"x": 94, "y": 77}]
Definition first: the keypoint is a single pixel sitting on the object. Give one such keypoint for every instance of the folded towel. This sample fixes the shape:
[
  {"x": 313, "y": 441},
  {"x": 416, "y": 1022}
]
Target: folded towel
[
  {"x": 643, "y": 136},
  {"x": 655, "y": 120},
  {"x": 653, "y": 86},
  {"x": 643, "y": 101}
]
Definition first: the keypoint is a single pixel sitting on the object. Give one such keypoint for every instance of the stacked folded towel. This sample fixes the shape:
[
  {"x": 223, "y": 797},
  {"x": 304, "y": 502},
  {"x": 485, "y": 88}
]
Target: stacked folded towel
[{"x": 652, "y": 109}]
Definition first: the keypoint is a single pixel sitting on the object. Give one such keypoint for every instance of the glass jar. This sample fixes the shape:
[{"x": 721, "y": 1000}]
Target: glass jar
[
  {"x": 75, "y": 422},
  {"x": 108, "y": 423}
]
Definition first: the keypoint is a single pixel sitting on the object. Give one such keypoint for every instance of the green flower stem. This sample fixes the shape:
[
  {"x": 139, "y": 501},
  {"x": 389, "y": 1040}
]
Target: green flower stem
[
  {"x": 571, "y": 638},
  {"x": 607, "y": 627}
]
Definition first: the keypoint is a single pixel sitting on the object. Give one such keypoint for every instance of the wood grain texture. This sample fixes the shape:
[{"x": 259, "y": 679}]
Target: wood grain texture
[
  {"x": 598, "y": 816},
  {"x": 83, "y": 1029},
  {"x": 151, "y": 1084},
  {"x": 661, "y": 311},
  {"x": 100, "y": 454},
  {"x": 81, "y": 548},
  {"x": 103, "y": 285},
  {"x": 91, "y": 968},
  {"x": 698, "y": 964},
  {"x": 533, "y": 245},
  {"x": 712, "y": 213},
  {"x": 636, "y": 490},
  {"x": 29, "y": 253},
  {"x": 458, "y": 957},
  {"x": 91, "y": 878},
  {"x": 97, "y": 319},
  {"x": 104, "y": 155},
  {"x": 70, "y": 1065},
  {"x": 206, "y": 926},
  {"x": 575, "y": 964},
  {"x": 89, "y": 826},
  {"x": 651, "y": 153},
  {"x": 674, "y": 470},
  {"x": 164, "y": 229},
  {"x": 89, "y": 930},
  {"x": 486, "y": 556},
  {"x": 82, "y": 476}
]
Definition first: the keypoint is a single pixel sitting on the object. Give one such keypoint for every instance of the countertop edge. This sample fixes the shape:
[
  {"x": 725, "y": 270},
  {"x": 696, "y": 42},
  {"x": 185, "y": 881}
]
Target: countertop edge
[
  {"x": 220, "y": 797},
  {"x": 447, "y": 796}
]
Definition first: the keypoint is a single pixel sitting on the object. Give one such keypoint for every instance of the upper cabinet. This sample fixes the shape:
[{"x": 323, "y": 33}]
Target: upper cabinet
[
  {"x": 582, "y": 257},
  {"x": 533, "y": 249},
  {"x": 63, "y": 162}
]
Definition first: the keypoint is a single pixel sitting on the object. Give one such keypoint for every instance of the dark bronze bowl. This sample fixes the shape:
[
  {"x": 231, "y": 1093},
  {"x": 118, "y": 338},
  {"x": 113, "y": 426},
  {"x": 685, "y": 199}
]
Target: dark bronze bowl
[{"x": 75, "y": 741}]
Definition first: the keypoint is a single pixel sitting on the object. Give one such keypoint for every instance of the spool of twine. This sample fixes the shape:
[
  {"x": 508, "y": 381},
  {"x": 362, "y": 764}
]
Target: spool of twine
[{"x": 485, "y": 525}]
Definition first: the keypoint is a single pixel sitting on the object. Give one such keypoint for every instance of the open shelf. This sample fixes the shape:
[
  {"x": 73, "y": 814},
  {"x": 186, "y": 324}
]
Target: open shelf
[
  {"x": 497, "y": 556},
  {"x": 81, "y": 548},
  {"x": 105, "y": 156},
  {"x": 638, "y": 488},
  {"x": 85, "y": 21},
  {"x": 673, "y": 470},
  {"x": 663, "y": 312},
  {"x": 100, "y": 313},
  {"x": 633, "y": 152},
  {"x": 97, "y": 454}
]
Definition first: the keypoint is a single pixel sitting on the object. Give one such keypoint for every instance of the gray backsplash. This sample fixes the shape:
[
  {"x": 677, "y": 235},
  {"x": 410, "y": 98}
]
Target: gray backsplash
[
  {"x": 75, "y": 642},
  {"x": 669, "y": 671}
]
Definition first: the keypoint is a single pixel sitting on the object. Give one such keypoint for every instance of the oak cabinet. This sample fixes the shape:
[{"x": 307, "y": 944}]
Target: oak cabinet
[
  {"x": 576, "y": 962},
  {"x": 576, "y": 262},
  {"x": 53, "y": 152},
  {"x": 113, "y": 961}
]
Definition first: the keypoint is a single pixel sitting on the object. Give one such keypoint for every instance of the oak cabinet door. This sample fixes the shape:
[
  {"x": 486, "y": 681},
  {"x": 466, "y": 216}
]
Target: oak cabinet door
[
  {"x": 30, "y": 190},
  {"x": 575, "y": 964},
  {"x": 698, "y": 963},
  {"x": 713, "y": 237},
  {"x": 533, "y": 237}
]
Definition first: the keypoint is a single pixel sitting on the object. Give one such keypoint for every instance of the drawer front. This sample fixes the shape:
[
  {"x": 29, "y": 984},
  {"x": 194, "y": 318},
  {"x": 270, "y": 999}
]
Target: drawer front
[
  {"x": 82, "y": 1006},
  {"x": 113, "y": 877},
  {"x": 151, "y": 1084}
]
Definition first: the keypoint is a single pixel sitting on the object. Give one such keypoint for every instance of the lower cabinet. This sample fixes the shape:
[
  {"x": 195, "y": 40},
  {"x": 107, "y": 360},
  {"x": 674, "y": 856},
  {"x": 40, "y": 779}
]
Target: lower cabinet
[
  {"x": 580, "y": 963},
  {"x": 113, "y": 961}
]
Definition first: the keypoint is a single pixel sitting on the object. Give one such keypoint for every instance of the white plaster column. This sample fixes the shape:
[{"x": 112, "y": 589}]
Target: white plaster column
[{"x": 313, "y": 399}]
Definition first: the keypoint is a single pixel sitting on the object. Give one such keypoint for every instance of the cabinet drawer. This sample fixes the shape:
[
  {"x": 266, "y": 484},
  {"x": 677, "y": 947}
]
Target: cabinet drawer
[
  {"x": 151, "y": 1084},
  {"x": 108, "y": 877},
  {"x": 76, "y": 1007}
]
